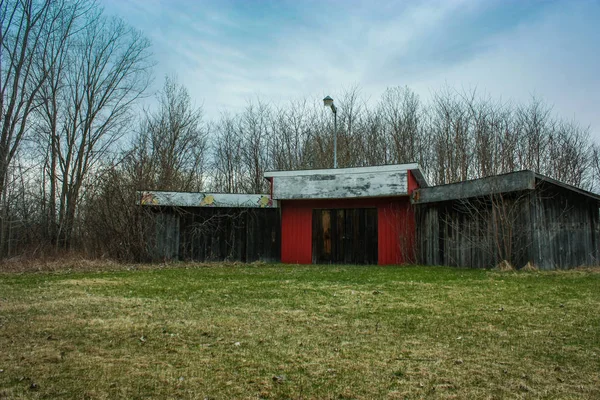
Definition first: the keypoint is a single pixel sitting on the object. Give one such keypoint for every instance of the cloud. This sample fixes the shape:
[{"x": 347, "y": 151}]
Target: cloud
[
  {"x": 227, "y": 52},
  {"x": 554, "y": 57}
]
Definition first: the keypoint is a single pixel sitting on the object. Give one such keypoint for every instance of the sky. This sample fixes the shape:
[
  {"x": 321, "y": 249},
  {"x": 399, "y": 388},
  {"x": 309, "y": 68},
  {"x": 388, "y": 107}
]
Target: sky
[{"x": 228, "y": 52}]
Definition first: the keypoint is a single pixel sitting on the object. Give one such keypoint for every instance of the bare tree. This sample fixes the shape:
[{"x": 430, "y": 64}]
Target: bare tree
[
  {"x": 532, "y": 125},
  {"x": 595, "y": 167},
  {"x": 32, "y": 35},
  {"x": 374, "y": 147},
  {"x": 400, "y": 109},
  {"x": 116, "y": 226},
  {"x": 227, "y": 156},
  {"x": 108, "y": 69},
  {"x": 170, "y": 150},
  {"x": 254, "y": 131},
  {"x": 33, "y": 38},
  {"x": 290, "y": 136},
  {"x": 449, "y": 128},
  {"x": 569, "y": 154}
]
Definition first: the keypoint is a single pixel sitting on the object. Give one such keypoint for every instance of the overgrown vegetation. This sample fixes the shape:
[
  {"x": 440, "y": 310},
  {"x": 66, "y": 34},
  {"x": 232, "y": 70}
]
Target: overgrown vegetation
[
  {"x": 277, "y": 331},
  {"x": 75, "y": 145}
]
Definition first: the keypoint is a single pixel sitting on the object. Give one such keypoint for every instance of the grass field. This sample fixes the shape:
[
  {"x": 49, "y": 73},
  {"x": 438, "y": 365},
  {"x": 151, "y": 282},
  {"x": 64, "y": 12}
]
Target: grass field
[{"x": 298, "y": 332}]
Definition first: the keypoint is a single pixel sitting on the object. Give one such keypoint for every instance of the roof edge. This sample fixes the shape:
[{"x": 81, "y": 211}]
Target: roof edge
[
  {"x": 351, "y": 170},
  {"x": 504, "y": 183},
  {"x": 567, "y": 186}
]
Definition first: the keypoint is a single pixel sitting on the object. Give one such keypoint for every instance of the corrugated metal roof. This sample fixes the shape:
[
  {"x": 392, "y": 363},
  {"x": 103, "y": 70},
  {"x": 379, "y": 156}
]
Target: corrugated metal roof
[
  {"x": 504, "y": 183},
  {"x": 190, "y": 199}
]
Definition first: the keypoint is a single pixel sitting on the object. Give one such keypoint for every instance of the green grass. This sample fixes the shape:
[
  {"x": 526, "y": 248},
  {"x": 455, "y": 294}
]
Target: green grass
[{"x": 326, "y": 332}]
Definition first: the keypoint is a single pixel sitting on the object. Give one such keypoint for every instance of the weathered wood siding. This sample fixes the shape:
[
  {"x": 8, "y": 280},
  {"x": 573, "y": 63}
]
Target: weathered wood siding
[
  {"x": 551, "y": 225},
  {"x": 340, "y": 185},
  {"x": 566, "y": 228},
  {"x": 165, "y": 243},
  {"x": 477, "y": 233},
  {"x": 219, "y": 234},
  {"x": 344, "y": 236}
]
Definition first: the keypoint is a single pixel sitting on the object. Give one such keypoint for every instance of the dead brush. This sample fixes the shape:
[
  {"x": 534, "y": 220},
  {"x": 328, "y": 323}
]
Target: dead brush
[
  {"x": 529, "y": 267},
  {"x": 63, "y": 262},
  {"x": 504, "y": 266}
]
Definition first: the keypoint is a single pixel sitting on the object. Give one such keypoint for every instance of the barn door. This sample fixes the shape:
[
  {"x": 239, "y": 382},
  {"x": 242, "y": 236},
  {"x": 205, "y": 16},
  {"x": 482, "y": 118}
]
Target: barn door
[{"x": 347, "y": 236}]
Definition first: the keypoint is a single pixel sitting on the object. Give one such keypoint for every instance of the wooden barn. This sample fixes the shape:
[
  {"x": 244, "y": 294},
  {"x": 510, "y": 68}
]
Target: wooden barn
[
  {"x": 382, "y": 215},
  {"x": 213, "y": 226},
  {"x": 347, "y": 215},
  {"x": 520, "y": 217}
]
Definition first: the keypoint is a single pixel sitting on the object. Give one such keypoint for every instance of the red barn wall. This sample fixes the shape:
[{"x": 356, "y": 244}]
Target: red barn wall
[
  {"x": 396, "y": 228},
  {"x": 296, "y": 233}
]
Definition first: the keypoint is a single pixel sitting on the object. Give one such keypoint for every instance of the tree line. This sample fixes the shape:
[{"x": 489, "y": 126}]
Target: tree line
[{"x": 75, "y": 147}]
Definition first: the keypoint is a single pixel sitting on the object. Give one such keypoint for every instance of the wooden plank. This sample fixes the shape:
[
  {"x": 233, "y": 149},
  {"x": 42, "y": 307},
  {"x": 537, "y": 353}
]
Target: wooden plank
[
  {"x": 565, "y": 228},
  {"x": 326, "y": 231},
  {"x": 553, "y": 227},
  {"x": 339, "y": 235},
  {"x": 318, "y": 238},
  {"x": 357, "y": 250},
  {"x": 371, "y": 235},
  {"x": 348, "y": 235},
  {"x": 166, "y": 237},
  {"x": 269, "y": 226},
  {"x": 345, "y": 236},
  {"x": 228, "y": 234}
]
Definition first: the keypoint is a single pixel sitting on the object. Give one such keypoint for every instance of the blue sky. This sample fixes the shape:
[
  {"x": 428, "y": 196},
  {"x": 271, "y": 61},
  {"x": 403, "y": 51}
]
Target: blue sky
[{"x": 227, "y": 52}]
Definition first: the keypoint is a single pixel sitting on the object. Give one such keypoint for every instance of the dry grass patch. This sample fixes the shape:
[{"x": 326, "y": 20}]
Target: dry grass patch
[
  {"x": 504, "y": 266},
  {"x": 91, "y": 282},
  {"x": 268, "y": 331}
]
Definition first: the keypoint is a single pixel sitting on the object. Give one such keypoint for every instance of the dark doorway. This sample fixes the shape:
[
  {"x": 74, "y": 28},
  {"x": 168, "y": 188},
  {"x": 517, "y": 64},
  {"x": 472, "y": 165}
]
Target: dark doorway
[{"x": 344, "y": 236}]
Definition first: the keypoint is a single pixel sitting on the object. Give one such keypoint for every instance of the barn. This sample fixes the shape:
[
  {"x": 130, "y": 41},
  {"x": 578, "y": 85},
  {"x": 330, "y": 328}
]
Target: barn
[
  {"x": 382, "y": 215},
  {"x": 212, "y": 226},
  {"x": 520, "y": 217},
  {"x": 347, "y": 215}
]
